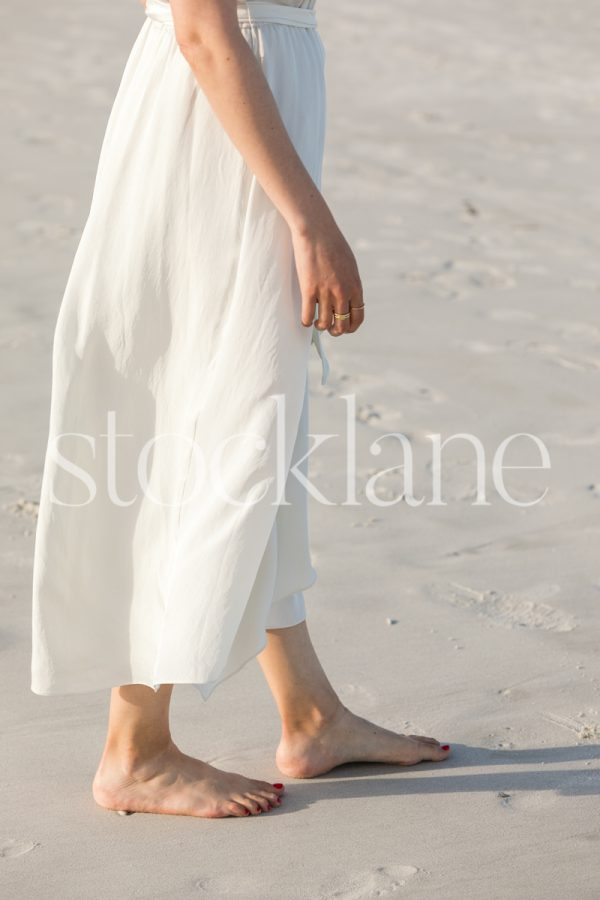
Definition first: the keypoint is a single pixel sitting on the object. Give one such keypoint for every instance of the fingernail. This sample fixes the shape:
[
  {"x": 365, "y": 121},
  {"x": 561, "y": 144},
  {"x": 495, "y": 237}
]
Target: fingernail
[
  {"x": 278, "y": 786},
  {"x": 445, "y": 746}
]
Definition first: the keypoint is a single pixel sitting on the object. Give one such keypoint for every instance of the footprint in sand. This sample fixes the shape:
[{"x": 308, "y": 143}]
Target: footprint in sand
[
  {"x": 383, "y": 881},
  {"x": 368, "y": 414},
  {"x": 25, "y": 507},
  {"x": 459, "y": 275},
  {"x": 408, "y": 386},
  {"x": 583, "y": 730},
  {"x": 556, "y": 356},
  {"x": 404, "y": 386},
  {"x": 11, "y": 848},
  {"x": 522, "y": 609}
]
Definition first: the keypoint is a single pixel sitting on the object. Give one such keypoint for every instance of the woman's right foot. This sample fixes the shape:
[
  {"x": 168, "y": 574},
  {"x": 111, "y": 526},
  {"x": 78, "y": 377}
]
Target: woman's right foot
[{"x": 175, "y": 784}]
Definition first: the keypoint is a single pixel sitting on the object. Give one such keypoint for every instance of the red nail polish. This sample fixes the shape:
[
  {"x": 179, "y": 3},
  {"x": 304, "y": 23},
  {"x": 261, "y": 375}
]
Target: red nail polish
[
  {"x": 278, "y": 786},
  {"x": 445, "y": 746},
  {"x": 247, "y": 813}
]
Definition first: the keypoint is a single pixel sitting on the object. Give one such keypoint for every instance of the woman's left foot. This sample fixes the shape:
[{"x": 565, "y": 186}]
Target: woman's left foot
[{"x": 314, "y": 748}]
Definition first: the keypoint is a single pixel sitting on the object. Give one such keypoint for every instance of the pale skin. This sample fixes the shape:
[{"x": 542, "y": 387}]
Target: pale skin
[{"x": 141, "y": 769}]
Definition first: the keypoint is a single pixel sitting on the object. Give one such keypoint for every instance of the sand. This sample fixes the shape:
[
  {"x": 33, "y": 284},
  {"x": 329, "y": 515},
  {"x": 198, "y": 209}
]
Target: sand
[{"x": 462, "y": 164}]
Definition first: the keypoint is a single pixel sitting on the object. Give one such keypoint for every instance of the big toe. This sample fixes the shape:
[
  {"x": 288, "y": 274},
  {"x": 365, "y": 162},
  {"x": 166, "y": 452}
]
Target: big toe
[
  {"x": 270, "y": 790},
  {"x": 440, "y": 751},
  {"x": 427, "y": 740}
]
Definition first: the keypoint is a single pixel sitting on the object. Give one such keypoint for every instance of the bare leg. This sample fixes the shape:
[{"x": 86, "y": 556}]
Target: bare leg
[
  {"x": 142, "y": 770},
  {"x": 318, "y": 732}
]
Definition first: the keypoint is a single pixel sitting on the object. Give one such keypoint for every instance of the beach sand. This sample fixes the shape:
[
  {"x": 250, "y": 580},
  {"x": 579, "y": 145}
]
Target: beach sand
[{"x": 462, "y": 165}]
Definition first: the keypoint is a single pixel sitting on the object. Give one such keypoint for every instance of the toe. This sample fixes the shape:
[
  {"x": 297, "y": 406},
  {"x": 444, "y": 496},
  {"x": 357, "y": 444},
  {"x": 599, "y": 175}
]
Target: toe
[
  {"x": 250, "y": 806},
  {"x": 427, "y": 740},
  {"x": 264, "y": 802},
  {"x": 270, "y": 789},
  {"x": 273, "y": 798},
  {"x": 439, "y": 752},
  {"x": 237, "y": 809}
]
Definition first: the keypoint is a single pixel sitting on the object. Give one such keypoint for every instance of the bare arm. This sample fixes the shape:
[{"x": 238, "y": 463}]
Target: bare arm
[{"x": 232, "y": 80}]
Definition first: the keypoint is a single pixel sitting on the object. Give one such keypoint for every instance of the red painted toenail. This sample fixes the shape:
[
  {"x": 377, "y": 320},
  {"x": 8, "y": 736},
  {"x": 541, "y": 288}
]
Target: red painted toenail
[
  {"x": 247, "y": 813},
  {"x": 278, "y": 786},
  {"x": 445, "y": 746}
]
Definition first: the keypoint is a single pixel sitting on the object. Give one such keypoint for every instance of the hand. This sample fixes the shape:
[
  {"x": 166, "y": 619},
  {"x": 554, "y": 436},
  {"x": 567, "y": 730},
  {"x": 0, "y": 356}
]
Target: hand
[
  {"x": 233, "y": 81},
  {"x": 328, "y": 276}
]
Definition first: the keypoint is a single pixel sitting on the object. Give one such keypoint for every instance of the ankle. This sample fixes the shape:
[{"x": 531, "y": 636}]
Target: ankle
[
  {"x": 133, "y": 752},
  {"x": 309, "y": 718}
]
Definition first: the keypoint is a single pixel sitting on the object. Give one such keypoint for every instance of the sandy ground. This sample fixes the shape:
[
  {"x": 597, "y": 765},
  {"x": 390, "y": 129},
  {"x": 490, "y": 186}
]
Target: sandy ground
[{"x": 462, "y": 163}]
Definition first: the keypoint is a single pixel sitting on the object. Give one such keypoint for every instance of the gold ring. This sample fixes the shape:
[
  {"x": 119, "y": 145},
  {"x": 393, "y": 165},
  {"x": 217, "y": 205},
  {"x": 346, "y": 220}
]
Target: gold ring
[
  {"x": 341, "y": 315},
  {"x": 358, "y": 307}
]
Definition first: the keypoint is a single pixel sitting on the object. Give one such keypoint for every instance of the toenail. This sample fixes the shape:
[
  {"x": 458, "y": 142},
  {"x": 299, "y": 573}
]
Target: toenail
[
  {"x": 247, "y": 813},
  {"x": 445, "y": 746},
  {"x": 278, "y": 786}
]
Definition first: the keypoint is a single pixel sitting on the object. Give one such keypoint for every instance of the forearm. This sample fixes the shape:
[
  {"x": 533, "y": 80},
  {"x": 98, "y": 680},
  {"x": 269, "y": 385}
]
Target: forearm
[{"x": 233, "y": 82}]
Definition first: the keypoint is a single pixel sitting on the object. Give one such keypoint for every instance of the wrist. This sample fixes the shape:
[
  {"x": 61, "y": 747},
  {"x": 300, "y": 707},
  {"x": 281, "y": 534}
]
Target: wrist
[{"x": 312, "y": 213}]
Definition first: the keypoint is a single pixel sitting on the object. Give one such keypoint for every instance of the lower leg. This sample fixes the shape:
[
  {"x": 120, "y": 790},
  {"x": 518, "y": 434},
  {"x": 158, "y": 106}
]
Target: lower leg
[
  {"x": 300, "y": 687},
  {"x": 141, "y": 769},
  {"x": 138, "y": 723},
  {"x": 318, "y": 732}
]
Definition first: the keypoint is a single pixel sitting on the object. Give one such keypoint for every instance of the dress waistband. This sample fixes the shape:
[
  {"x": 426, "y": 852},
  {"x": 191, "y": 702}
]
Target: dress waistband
[{"x": 254, "y": 12}]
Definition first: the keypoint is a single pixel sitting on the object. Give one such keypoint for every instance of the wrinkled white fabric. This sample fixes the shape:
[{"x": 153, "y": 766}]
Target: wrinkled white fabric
[{"x": 179, "y": 325}]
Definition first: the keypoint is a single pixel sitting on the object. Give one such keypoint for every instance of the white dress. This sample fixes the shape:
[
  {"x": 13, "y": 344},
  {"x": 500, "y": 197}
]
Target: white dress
[{"x": 165, "y": 547}]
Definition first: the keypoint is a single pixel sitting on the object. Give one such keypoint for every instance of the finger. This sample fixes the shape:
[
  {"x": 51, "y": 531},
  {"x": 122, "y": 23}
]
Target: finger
[
  {"x": 309, "y": 305},
  {"x": 341, "y": 317},
  {"x": 339, "y": 325},
  {"x": 357, "y": 316},
  {"x": 325, "y": 313}
]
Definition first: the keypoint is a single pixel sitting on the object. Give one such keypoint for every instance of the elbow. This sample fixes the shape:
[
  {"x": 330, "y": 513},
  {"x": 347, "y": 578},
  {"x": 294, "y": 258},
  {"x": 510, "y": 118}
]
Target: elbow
[
  {"x": 192, "y": 46},
  {"x": 203, "y": 48}
]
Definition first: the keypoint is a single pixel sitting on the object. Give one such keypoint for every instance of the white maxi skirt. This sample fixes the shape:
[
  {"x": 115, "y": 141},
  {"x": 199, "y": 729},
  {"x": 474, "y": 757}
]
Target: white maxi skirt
[{"x": 172, "y": 528}]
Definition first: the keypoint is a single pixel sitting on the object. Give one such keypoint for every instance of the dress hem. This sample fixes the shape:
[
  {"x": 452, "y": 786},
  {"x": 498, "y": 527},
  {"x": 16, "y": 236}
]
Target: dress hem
[{"x": 209, "y": 686}]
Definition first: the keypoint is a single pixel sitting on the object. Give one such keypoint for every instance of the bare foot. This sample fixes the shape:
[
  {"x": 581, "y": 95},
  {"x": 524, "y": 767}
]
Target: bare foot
[
  {"x": 313, "y": 749},
  {"x": 173, "y": 783}
]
